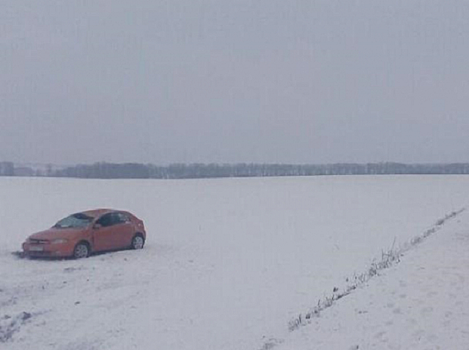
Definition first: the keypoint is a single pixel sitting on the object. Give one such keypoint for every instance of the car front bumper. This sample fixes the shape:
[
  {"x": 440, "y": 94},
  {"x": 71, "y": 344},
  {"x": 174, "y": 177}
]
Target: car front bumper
[{"x": 48, "y": 250}]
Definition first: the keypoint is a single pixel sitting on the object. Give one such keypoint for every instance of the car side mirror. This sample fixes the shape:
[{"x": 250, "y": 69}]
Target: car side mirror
[{"x": 97, "y": 226}]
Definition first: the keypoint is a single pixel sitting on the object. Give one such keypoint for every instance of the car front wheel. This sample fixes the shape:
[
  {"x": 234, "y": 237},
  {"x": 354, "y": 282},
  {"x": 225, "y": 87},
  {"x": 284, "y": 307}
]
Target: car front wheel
[{"x": 81, "y": 251}]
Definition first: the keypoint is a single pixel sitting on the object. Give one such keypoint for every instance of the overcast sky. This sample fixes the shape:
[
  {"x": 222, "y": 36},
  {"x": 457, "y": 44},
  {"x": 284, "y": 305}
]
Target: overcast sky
[{"x": 234, "y": 81}]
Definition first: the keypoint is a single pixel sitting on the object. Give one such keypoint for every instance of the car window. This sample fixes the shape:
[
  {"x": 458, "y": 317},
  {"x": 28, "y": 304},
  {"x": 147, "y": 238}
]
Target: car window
[
  {"x": 123, "y": 217},
  {"x": 111, "y": 219},
  {"x": 106, "y": 220},
  {"x": 78, "y": 220}
]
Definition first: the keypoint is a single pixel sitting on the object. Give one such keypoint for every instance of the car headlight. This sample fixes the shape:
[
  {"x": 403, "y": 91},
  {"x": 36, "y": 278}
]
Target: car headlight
[{"x": 59, "y": 241}]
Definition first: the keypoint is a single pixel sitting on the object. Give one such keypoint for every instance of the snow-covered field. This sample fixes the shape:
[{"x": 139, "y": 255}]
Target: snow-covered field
[
  {"x": 419, "y": 304},
  {"x": 228, "y": 262}
]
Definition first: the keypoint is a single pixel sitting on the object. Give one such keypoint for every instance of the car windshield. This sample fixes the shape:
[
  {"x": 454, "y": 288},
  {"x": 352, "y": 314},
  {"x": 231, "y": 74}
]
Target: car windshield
[{"x": 74, "y": 221}]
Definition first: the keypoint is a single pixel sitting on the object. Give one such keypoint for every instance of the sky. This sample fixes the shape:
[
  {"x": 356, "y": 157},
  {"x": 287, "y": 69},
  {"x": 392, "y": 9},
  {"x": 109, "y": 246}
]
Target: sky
[{"x": 228, "y": 81}]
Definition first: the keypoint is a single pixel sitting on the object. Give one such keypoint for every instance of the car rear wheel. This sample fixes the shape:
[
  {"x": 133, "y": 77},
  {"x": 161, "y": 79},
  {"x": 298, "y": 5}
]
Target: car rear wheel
[
  {"x": 81, "y": 250},
  {"x": 138, "y": 242}
]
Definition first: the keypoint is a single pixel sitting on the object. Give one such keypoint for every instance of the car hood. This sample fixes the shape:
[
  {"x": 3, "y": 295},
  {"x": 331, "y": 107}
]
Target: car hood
[{"x": 55, "y": 233}]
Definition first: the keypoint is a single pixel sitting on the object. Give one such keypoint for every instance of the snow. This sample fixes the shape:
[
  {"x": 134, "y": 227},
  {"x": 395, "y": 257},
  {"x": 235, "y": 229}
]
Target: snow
[
  {"x": 420, "y": 303},
  {"x": 229, "y": 262}
]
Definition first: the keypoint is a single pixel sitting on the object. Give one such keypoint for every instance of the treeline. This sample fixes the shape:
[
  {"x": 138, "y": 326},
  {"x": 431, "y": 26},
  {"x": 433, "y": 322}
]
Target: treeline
[
  {"x": 192, "y": 171},
  {"x": 7, "y": 169}
]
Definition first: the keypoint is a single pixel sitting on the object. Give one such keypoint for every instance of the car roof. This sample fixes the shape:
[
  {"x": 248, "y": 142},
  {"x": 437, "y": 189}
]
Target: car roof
[{"x": 98, "y": 212}]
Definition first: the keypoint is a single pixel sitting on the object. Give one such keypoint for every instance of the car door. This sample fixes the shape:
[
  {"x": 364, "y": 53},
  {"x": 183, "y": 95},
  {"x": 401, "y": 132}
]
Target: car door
[
  {"x": 124, "y": 230},
  {"x": 112, "y": 231},
  {"x": 105, "y": 233}
]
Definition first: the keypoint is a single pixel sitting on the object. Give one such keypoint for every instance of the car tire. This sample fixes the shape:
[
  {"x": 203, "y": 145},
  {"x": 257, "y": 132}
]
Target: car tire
[
  {"x": 137, "y": 242},
  {"x": 82, "y": 250}
]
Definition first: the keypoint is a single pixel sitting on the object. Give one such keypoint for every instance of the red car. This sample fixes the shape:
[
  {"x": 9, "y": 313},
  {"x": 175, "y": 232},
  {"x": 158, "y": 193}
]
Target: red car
[{"x": 80, "y": 234}]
